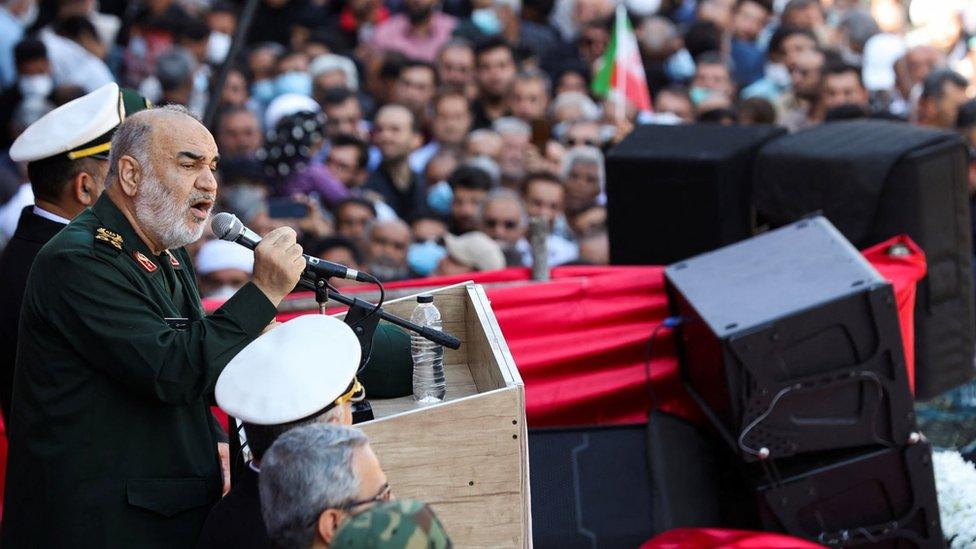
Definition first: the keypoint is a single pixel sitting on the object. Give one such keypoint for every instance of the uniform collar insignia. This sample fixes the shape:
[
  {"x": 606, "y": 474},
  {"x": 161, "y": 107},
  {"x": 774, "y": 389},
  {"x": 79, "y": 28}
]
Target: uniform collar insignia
[
  {"x": 172, "y": 260},
  {"x": 145, "y": 262},
  {"x": 113, "y": 239}
]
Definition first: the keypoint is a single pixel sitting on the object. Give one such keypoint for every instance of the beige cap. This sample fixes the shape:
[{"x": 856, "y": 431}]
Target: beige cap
[{"x": 476, "y": 250}]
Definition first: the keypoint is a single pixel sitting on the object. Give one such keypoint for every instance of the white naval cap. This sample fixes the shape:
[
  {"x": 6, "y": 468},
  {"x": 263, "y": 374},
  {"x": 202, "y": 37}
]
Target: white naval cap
[
  {"x": 292, "y": 372},
  {"x": 77, "y": 129},
  {"x": 217, "y": 255}
]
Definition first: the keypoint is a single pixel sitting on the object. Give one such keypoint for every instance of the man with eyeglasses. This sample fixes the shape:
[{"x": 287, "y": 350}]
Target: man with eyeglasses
[
  {"x": 66, "y": 152},
  {"x": 314, "y": 479},
  {"x": 275, "y": 384}
]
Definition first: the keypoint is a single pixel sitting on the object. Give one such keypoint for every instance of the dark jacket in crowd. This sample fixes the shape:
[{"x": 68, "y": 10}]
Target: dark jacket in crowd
[
  {"x": 236, "y": 522},
  {"x": 112, "y": 443},
  {"x": 33, "y": 231},
  {"x": 404, "y": 203}
]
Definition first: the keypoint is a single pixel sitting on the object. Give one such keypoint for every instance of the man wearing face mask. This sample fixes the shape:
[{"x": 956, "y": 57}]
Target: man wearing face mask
[
  {"x": 34, "y": 81},
  {"x": 222, "y": 268},
  {"x": 15, "y": 16},
  {"x": 66, "y": 154},
  {"x": 418, "y": 33}
]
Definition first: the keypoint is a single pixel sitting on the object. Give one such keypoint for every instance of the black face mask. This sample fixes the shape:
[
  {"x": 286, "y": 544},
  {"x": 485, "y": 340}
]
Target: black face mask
[{"x": 419, "y": 15}]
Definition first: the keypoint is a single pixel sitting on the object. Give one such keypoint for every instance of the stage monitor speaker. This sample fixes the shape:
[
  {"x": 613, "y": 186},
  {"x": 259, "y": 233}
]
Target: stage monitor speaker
[
  {"x": 790, "y": 342},
  {"x": 677, "y": 191},
  {"x": 875, "y": 180},
  {"x": 590, "y": 487},
  {"x": 882, "y": 498}
]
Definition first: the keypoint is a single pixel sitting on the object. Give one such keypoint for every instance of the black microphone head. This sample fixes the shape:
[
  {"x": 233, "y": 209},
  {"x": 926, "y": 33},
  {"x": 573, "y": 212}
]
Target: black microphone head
[{"x": 226, "y": 226}]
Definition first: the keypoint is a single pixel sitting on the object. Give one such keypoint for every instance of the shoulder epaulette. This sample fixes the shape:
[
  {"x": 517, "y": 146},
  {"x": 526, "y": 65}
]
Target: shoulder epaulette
[{"x": 109, "y": 238}]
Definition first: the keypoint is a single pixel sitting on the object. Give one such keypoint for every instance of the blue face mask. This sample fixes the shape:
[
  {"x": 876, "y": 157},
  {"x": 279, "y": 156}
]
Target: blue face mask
[
  {"x": 439, "y": 198},
  {"x": 263, "y": 91},
  {"x": 423, "y": 257},
  {"x": 293, "y": 82},
  {"x": 699, "y": 95},
  {"x": 680, "y": 66},
  {"x": 487, "y": 21}
]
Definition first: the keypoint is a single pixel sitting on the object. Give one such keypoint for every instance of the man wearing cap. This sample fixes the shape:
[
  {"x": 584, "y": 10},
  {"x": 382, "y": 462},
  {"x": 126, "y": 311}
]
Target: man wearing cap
[
  {"x": 300, "y": 373},
  {"x": 397, "y": 524},
  {"x": 470, "y": 252},
  {"x": 112, "y": 443},
  {"x": 67, "y": 158}
]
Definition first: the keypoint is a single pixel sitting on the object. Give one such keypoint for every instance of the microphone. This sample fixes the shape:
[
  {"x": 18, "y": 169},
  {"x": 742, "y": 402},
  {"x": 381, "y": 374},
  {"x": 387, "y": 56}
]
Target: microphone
[{"x": 227, "y": 227}]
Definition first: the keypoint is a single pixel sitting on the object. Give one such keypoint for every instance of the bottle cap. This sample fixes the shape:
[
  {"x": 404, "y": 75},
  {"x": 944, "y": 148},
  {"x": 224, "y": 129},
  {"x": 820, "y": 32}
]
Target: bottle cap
[{"x": 425, "y": 298}]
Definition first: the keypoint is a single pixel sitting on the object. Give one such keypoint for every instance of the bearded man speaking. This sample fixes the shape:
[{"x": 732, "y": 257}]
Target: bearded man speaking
[{"x": 112, "y": 443}]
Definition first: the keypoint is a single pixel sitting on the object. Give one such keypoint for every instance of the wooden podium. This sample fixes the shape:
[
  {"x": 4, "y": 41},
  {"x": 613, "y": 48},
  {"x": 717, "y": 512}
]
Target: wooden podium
[{"x": 468, "y": 456}]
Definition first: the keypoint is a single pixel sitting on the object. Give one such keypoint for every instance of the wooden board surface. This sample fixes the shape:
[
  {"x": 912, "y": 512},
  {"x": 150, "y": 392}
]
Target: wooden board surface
[
  {"x": 468, "y": 459},
  {"x": 459, "y": 385}
]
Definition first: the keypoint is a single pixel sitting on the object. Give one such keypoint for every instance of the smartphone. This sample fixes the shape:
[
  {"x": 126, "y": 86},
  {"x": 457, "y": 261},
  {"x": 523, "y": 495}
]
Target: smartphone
[
  {"x": 286, "y": 208},
  {"x": 541, "y": 134}
]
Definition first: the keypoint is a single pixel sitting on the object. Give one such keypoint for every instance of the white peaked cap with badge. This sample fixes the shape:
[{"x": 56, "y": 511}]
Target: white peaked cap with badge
[
  {"x": 65, "y": 129},
  {"x": 290, "y": 373}
]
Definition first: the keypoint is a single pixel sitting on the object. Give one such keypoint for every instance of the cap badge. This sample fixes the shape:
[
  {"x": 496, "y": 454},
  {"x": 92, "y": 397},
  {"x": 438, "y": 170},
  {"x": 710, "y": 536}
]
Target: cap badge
[
  {"x": 145, "y": 262},
  {"x": 107, "y": 236}
]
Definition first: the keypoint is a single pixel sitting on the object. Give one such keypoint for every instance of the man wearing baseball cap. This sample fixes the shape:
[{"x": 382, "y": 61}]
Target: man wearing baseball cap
[{"x": 66, "y": 152}]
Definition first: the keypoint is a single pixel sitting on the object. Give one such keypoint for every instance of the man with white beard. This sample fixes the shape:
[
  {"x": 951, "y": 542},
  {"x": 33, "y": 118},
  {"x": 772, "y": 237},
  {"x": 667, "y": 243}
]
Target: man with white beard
[{"x": 112, "y": 443}]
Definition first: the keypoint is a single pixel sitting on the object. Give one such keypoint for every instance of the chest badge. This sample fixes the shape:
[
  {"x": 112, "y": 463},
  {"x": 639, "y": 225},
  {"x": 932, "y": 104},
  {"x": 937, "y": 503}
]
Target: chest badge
[
  {"x": 113, "y": 239},
  {"x": 145, "y": 262}
]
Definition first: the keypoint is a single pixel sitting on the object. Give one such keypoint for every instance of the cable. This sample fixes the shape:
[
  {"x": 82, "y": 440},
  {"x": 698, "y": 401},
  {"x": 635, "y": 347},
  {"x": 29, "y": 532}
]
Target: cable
[{"x": 669, "y": 322}]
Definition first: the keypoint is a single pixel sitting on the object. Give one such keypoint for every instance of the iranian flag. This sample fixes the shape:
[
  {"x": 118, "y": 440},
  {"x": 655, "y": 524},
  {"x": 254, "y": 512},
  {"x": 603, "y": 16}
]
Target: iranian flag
[{"x": 622, "y": 72}]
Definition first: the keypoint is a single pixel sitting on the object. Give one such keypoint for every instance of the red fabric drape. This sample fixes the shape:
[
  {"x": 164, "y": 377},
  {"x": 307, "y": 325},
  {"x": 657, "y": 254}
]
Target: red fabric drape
[
  {"x": 580, "y": 340},
  {"x": 696, "y": 538}
]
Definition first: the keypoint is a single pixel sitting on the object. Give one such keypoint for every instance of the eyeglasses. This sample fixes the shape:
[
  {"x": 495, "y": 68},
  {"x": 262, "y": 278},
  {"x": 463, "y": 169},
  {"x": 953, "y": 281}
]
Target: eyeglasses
[
  {"x": 579, "y": 142},
  {"x": 385, "y": 494},
  {"x": 506, "y": 223}
]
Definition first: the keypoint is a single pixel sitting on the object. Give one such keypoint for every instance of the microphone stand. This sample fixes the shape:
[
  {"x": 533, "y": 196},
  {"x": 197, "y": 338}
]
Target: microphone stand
[{"x": 363, "y": 317}]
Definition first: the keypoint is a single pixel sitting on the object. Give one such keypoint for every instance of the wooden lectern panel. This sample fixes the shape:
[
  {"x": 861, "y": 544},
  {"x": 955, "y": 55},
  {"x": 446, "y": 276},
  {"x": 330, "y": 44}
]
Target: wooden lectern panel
[{"x": 467, "y": 457}]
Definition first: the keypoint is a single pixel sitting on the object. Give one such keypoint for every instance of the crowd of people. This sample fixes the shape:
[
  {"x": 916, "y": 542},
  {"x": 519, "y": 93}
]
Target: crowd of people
[{"x": 382, "y": 131}]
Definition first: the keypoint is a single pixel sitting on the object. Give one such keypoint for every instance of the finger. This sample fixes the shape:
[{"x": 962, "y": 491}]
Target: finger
[{"x": 275, "y": 236}]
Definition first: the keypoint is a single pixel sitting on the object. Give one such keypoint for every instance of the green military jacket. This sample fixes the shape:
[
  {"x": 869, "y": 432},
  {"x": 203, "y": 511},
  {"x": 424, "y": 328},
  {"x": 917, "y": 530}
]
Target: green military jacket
[{"x": 112, "y": 443}]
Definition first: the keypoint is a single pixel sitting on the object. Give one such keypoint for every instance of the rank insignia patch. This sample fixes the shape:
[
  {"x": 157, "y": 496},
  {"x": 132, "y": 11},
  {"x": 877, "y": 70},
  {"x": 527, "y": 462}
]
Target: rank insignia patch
[
  {"x": 173, "y": 261},
  {"x": 104, "y": 235},
  {"x": 145, "y": 262}
]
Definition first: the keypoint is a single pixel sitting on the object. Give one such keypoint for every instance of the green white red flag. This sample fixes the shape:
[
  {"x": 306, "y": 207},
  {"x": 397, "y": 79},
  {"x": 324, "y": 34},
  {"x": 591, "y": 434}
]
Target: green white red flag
[{"x": 621, "y": 74}]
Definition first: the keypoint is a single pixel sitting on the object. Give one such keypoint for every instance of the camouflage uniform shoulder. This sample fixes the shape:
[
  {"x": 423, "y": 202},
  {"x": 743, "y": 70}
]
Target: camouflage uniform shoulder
[{"x": 398, "y": 524}]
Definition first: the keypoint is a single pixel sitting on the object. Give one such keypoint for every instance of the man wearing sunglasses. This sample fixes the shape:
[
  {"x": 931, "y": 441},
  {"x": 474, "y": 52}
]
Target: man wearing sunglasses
[
  {"x": 277, "y": 383},
  {"x": 314, "y": 479},
  {"x": 66, "y": 152}
]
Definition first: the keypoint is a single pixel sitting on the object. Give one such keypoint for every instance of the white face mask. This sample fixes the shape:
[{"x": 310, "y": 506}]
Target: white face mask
[
  {"x": 38, "y": 85},
  {"x": 217, "y": 47},
  {"x": 27, "y": 18}
]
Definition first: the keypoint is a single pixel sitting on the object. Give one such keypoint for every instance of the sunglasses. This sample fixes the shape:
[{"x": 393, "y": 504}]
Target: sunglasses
[{"x": 506, "y": 223}]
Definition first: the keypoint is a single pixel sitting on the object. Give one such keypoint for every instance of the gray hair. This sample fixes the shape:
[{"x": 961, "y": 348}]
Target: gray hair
[
  {"x": 536, "y": 74},
  {"x": 307, "y": 470},
  {"x": 502, "y": 194},
  {"x": 583, "y": 155},
  {"x": 332, "y": 62},
  {"x": 487, "y": 165},
  {"x": 132, "y": 138},
  {"x": 511, "y": 125},
  {"x": 589, "y": 109}
]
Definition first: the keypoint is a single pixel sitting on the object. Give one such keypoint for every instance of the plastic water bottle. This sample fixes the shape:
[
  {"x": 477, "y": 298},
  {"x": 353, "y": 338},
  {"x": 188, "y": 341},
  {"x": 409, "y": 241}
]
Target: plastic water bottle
[{"x": 429, "y": 386}]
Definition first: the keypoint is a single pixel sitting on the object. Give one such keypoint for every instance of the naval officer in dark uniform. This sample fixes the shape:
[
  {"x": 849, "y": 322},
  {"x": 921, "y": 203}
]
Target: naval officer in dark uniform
[
  {"x": 112, "y": 443},
  {"x": 302, "y": 372},
  {"x": 66, "y": 152}
]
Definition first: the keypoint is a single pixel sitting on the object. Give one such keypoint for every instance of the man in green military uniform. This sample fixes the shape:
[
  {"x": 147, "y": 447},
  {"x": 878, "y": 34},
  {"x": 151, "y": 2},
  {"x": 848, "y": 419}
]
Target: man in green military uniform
[{"x": 112, "y": 443}]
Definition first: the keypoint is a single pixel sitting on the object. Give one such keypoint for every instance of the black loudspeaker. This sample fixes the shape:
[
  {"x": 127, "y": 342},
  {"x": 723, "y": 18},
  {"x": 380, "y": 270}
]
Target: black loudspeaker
[
  {"x": 590, "y": 487},
  {"x": 883, "y": 498},
  {"x": 677, "y": 191},
  {"x": 790, "y": 342},
  {"x": 875, "y": 180}
]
